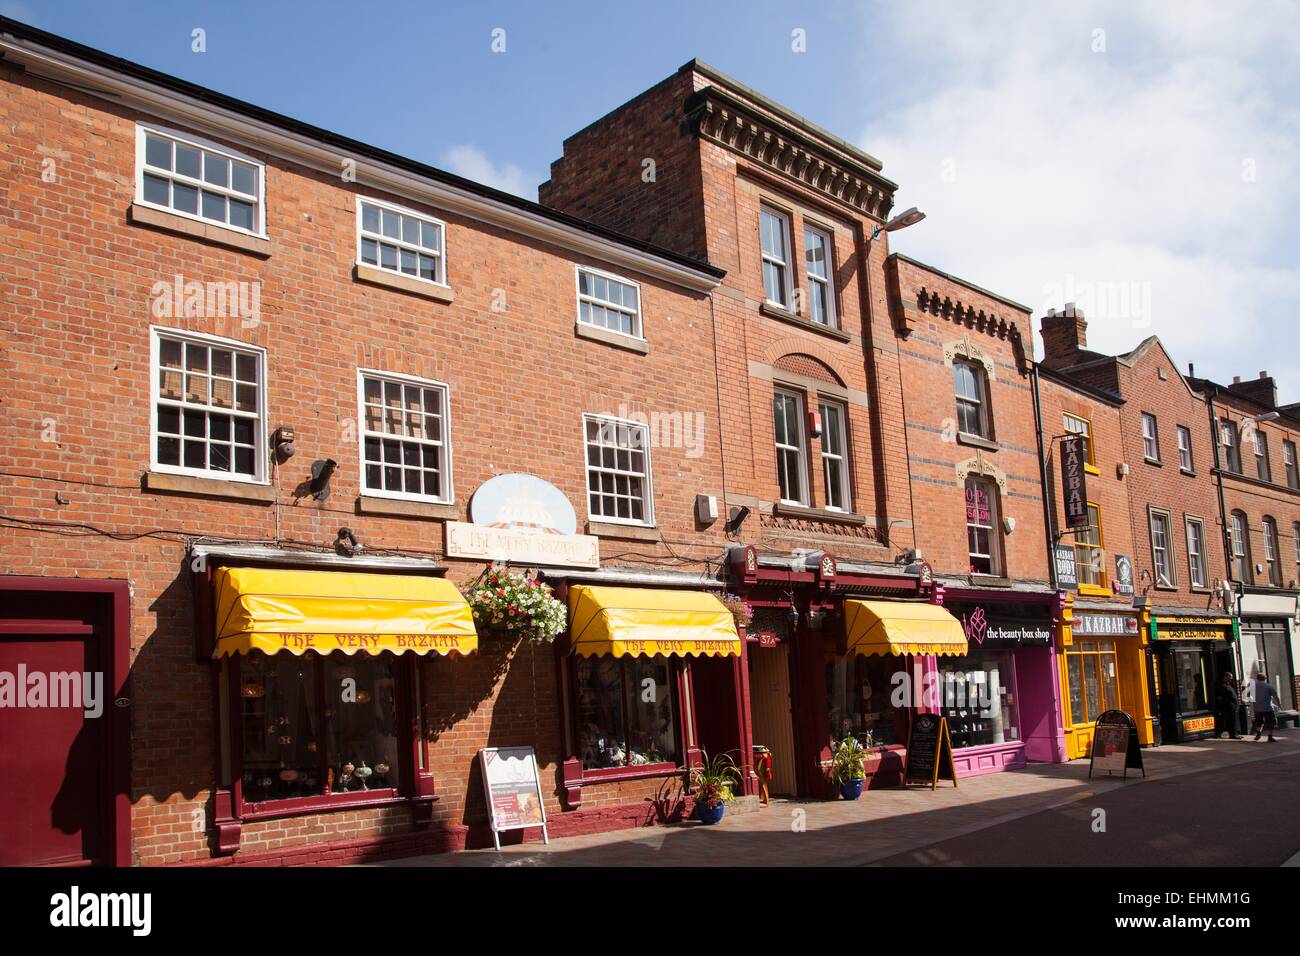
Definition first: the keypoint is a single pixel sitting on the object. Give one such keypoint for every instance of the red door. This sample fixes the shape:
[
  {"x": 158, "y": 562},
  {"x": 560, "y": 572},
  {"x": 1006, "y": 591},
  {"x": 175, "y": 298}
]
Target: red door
[{"x": 52, "y": 758}]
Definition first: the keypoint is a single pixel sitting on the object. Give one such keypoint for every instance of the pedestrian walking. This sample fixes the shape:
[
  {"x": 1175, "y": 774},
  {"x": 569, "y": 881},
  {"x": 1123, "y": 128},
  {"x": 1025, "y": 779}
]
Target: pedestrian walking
[
  {"x": 1263, "y": 706},
  {"x": 1226, "y": 703}
]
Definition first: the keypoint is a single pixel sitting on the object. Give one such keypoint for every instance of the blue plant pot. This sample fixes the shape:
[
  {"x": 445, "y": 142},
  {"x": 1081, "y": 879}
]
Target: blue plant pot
[
  {"x": 851, "y": 790},
  {"x": 707, "y": 816}
]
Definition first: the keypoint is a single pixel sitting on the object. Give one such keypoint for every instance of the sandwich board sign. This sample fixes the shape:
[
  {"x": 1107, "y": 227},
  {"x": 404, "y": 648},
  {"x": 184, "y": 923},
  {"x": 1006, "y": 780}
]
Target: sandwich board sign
[
  {"x": 1115, "y": 746},
  {"x": 513, "y": 789},
  {"x": 929, "y": 752}
]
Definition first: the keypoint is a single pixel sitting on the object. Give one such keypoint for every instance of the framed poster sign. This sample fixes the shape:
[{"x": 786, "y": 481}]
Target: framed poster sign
[
  {"x": 514, "y": 790},
  {"x": 929, "y": 752},
  {"x": 1115, "y": 746}
]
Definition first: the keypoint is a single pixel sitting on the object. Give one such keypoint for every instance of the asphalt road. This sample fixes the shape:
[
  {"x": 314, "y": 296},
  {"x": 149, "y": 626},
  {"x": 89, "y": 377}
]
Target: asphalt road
[{"x": 1247, "y": 815}]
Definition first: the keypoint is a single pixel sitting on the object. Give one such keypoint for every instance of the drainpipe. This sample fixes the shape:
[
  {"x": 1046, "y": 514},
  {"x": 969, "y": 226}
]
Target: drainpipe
[
  {"x": 1042, "y": 478},
  {"x": 1225, "y": 538}
]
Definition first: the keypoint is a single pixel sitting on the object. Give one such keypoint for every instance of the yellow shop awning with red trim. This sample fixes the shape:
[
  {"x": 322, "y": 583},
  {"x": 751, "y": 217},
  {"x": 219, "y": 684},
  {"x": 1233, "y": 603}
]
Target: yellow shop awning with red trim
[
  {"x": 273, "y": 610},
  {"x": 648, "y": 621},
  {"x": 899, "y": 627}
]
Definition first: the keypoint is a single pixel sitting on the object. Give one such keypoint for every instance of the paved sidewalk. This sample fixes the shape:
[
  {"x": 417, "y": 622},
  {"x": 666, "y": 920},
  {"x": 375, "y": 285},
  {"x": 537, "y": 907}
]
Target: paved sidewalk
[{"x": 883, "y": 824}]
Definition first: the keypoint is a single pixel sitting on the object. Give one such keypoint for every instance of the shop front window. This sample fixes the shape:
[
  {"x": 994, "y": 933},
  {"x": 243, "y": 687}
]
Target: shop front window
[
  {"x": 1190, "y": 678},
  {"x": 1094, "y": 680},
  {"x": 858, "y": 692},
  {"x": 978, "y": 698},
  {"x": 315, "y": 726},
  {"x": 625, "y": 711}
]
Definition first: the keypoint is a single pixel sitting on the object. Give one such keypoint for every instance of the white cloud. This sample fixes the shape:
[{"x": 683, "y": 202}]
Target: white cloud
[
  {"x": 472, "y": 163},
  {"x": 1123, "y": 170}
]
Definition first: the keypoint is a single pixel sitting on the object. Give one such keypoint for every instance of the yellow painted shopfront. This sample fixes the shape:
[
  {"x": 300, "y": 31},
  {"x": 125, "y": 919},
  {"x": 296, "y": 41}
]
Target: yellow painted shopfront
[{"x": 1103, "y": 667}]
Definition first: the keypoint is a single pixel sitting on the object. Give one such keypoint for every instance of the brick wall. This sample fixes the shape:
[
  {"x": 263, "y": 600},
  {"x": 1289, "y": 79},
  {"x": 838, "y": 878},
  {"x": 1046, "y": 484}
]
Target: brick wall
[
  {"x": 77, "y": 280},
  {"x": 599, "y": 176},
  {"x": 946, "y": 318}
]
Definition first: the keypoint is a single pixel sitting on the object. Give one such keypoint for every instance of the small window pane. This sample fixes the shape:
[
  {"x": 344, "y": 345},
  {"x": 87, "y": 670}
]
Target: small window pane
[
  {"x": 214, "y": 206},
  {"x": 241, "y": 214},
  {"x": 189, "y": 161},
  {"x": 155, "y": 190},
  {"x": 157, "y": 152},
  {"x": 216, "y": 169},
  {"x": 244, "y": 179},
  {"x": 370, "y": 252},
  {"x": 431, "y": 236},
  {"x": 410, "y": 230},
  {"x": 370, "y": 218},
  {"x": 184, "y": 198}
]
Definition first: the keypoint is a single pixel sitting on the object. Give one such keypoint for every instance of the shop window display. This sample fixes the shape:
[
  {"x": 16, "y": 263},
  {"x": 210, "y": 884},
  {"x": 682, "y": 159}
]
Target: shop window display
[
  {"x": 314, "y": 726},
  {"x": 1093, "y": 678},
  {"x": 625, "y": 711},
  {"x": 858, "y": 691},
  {"x": 978, "y": 697}
]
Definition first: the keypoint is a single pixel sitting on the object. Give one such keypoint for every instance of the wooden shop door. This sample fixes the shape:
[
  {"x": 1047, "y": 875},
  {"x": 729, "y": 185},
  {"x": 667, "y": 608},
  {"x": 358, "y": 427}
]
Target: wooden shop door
[
  {"x": 51, "y": 786},
  {"x": 769, "y": 703}
]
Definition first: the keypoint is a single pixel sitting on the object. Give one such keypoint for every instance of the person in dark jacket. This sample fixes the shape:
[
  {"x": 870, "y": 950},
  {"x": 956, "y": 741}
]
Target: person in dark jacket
[{"x": 1225, "y": 704}]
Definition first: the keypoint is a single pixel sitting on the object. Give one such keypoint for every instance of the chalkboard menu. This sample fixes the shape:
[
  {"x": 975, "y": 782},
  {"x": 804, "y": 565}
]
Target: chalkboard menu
[
  {"x": 929, "y": 752},
  {"x": 1115, "y": 746},
  {"x": 513, "y": 790}
]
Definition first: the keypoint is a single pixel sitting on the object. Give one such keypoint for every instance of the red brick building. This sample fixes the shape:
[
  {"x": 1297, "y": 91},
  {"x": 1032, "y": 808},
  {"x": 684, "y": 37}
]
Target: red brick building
[
  {"x": 1104, "y": 650},
  {"x": 810, "y": 380},
  {"x": 192, "y": 285},
  {"x": 1178, "y": 566},
  {"x": 1259, "y": 500},
  {"x": 973, "y": 454}
]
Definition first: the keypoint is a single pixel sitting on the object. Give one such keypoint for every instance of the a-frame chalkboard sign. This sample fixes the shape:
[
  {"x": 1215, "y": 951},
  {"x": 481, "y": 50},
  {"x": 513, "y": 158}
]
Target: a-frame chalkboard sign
[
  {"x": 1115, "y": 747},
  {"x": 929, "y": 752}
]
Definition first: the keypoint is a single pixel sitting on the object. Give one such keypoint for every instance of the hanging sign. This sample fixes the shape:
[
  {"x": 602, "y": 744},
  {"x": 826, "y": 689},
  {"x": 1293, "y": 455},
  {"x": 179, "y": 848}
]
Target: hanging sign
[
  {"x": 1072, "y": 482},
  {"x": 513, "y": 789},
  {"x": 929, "y": 752},
  {"x": 1123, "y": 574},
  {"x": 985, "y": 630},
  {"x": 1066, "y": 574},
  {"x": 1115, "y": 746}
]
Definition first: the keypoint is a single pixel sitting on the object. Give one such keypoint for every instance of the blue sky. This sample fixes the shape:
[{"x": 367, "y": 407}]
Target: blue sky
[{"x": 1142, "y": 159}]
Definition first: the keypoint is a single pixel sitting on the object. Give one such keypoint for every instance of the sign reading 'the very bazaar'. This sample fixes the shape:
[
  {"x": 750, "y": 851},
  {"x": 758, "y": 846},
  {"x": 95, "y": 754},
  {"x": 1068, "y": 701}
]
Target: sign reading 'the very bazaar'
[
  {"x": 1072, "y": 482},
  {"x": 525, "y": 520}
]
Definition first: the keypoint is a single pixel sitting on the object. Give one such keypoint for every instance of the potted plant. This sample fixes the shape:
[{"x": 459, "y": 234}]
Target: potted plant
[
  {"x": 847, "y": 767},
  {"x": 713, "y": 782},
  {"x": 515, "y": 603}
]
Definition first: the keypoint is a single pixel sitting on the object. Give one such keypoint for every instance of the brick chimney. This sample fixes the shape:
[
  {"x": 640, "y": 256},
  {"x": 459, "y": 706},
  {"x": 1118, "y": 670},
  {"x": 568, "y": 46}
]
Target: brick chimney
[
  {"x": 1064, "y": 334},
  {"x": 1262, "y": 389}
]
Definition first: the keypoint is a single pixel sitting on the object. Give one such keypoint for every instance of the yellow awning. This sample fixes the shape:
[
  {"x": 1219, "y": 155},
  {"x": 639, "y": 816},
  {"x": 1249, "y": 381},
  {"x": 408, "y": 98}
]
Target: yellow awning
[
  {"x": 270, "y": 610},
  {"x": 646, "y": 621},
  {"x": 898, "y": 627}
]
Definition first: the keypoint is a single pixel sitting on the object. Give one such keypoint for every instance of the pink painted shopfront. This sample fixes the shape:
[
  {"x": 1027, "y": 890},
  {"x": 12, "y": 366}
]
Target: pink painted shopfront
[{"x": 1002, "y": 697}]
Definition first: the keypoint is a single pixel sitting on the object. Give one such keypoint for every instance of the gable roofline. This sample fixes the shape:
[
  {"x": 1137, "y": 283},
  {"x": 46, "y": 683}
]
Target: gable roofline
[
  {"x": 1092, "y": 391},
  {"x": 58, "y": 59}
]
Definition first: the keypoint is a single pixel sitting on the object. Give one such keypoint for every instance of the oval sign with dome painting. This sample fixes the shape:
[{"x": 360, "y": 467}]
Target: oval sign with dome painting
[{"x": 523, "y": 504}]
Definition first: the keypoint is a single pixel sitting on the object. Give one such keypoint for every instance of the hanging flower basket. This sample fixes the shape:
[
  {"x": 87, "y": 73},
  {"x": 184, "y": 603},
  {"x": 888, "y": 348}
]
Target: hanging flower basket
[
  {"x": 741, "y": 611},
  {"x": 513, "y": 603}
]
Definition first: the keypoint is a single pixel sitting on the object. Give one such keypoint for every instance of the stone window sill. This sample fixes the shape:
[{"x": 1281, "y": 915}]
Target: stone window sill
[
  {"x": 990, "y": 581},
  {"x": 617, "y": 339},
  {"x": 774, "y": 312},
  {"x": 629, "y": 532},
  {"x": 976, "y": 441},
  {"x": 143, "y": 215},
  {"x": 162, "y": 482},
  {"x": 818, "y": 514},
  {"x": 402, "y": 283},
  {"x": 398, "y": 508}
]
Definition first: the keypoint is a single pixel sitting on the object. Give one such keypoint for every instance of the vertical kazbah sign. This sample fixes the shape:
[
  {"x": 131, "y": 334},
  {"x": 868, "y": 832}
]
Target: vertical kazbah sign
[{"x": 1072, "y": 482}]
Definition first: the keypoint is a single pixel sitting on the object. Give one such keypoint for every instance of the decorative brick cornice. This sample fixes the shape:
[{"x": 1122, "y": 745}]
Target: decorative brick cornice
[
  {"x": 970, "y": 317},
  {"x": 775, "y": 145}
]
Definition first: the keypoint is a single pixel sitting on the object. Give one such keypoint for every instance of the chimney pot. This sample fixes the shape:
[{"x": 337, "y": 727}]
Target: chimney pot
[
  {"x": 1236, "y": 380},
  {"x": 1263, "y": 374}
]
